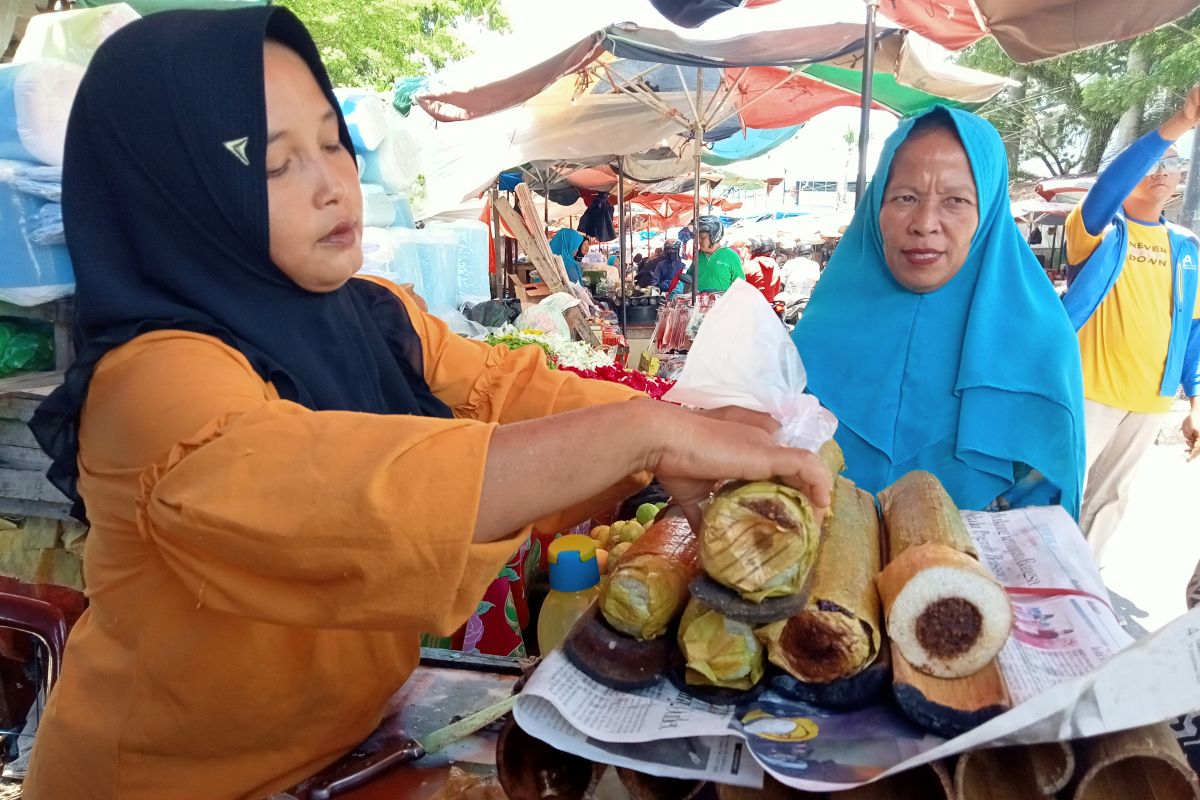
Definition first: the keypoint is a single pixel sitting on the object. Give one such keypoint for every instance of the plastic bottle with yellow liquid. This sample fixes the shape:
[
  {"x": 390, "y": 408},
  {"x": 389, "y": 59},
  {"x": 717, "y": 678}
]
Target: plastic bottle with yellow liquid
[{"x": 574, "y": 585}]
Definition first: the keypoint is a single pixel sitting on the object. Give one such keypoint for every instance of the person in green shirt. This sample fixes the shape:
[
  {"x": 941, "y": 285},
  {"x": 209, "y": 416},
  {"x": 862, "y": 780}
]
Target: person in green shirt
[{"x": 717, "y": 267}]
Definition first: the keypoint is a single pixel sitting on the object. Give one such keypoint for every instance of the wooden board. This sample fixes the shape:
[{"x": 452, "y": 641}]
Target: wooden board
[
  {"x": 547, "y": 264},
  {"x": 944, "y": 706}
]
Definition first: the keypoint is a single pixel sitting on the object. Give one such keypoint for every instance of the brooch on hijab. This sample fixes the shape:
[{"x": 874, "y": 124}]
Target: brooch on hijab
[{"x": 238, "y": 148}]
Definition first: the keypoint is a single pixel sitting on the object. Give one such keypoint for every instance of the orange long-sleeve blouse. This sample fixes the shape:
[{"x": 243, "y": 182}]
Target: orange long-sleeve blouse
[{"x": 259, "y": 573}]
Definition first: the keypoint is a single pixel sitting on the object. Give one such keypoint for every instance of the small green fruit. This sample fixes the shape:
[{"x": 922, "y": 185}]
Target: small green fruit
[{"x": 646, "y": 513}]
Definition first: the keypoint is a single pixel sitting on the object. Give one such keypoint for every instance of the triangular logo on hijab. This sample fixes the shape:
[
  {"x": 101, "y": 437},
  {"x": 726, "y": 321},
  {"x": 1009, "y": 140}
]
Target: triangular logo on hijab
[{"x": 238, "y": 148}]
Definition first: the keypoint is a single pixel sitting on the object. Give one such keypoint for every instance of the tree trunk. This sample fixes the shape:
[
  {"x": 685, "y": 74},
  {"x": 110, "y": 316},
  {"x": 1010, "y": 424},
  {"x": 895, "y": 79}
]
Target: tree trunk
[
  {"x": 1099, "y": 132},
  {"x": 1190, "y": 216},
  {"x": 1012, "y": 138},
  {"x": 1130, "y": 126}
]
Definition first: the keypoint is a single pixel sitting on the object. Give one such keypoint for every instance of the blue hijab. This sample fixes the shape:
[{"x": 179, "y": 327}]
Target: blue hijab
[
  {"x": 565, "y": 244},
  {"x": 977, "y": 382}
]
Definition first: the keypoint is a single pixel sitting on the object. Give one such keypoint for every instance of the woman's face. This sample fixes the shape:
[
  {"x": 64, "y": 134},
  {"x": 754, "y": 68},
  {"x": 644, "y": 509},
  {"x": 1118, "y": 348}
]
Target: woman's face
[
  {"x": 312, "y": 181},
  {"x": 930, "y": 211}
]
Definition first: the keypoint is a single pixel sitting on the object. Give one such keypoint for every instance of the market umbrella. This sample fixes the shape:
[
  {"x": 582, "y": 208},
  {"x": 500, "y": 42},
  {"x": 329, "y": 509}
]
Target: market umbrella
[
  {"x": 1041, "y": 212},
  {"x": 705, "y": 66},
  {"x": 1030, "y": 31}
]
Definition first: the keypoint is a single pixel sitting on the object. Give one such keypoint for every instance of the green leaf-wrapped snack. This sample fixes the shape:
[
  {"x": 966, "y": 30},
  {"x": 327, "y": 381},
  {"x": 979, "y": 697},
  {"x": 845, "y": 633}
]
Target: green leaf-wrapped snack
[
  {"x": 719, "y": 651},
  {"x": 759, "y": 539}
]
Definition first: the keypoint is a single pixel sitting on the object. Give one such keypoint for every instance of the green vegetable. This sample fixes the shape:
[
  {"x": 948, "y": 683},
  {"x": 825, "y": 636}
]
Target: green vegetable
[{"x": 514, "y": 341}]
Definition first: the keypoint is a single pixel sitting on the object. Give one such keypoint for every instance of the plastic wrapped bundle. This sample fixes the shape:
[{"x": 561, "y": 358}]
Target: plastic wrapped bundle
[
  {"x": 366, "y": 118},
  {"x": 947, "y": 615},
  {"x": 436, "y": 250},
  {"x": 33, "y": 274},
  {"x": 35, "y": 101},
  {"x": 471, "y": 259},
  {"x": 33, "y": 179},
  {"x": 378, "y": 254},
  {"x": 378, "y": 211},
  {"x": 648, "y": 589},
  {"x": 72, "y": 36},
  {"x": 402, "y": 212},
  {"x": 838, "y": 635},
  {"x": 406, "y": 264},
  {"x": 719, "y": 652}
]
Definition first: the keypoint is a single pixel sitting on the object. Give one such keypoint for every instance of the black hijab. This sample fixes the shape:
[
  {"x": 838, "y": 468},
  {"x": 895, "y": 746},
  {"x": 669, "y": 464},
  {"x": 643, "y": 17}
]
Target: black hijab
[{"x": 165, "y": 208}]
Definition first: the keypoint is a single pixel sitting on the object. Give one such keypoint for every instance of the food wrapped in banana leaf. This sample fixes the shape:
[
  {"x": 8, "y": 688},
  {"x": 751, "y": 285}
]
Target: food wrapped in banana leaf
[
  {"x": 719, "y": 651},
  {"x": 760, "y": 538},
  {"x": 838, "y": 634},
  {"x": 649, "y": 586}
]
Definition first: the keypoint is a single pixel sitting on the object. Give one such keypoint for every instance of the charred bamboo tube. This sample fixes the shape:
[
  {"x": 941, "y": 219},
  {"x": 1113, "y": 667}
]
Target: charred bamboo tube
[
  {"x": 651, "y": 787},
  {"x": 1140, "y": 763},
  {"x": 771, "y": 790},
  {"x": 530, "y": 769},
  {"x": 833, "y": 457},
  {"x": 649, "y": 587},
  {"x": 838, "y": 634},
  {"x": 1022, "y": 772},
  {"x": 944, "y": 611},
  {"x": 926, "y": 782},
  {"x": 918, "y": 510}
]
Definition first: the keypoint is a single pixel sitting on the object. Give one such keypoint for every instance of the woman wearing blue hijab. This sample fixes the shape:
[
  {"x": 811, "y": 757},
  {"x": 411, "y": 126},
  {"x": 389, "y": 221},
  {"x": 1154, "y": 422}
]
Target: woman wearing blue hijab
[
  {"x": 935, "y": 337},
  {"x": 565, "y": 244}
]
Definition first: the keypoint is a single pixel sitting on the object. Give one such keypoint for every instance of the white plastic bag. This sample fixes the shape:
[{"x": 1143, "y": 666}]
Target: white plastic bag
[
  {"x": 742, "y": 356},
  {"x": 72, "y": 35}
]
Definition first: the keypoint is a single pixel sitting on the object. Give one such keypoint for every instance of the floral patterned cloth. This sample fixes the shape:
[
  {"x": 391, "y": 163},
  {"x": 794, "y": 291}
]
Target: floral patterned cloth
[{"x": 495, "y": 627}]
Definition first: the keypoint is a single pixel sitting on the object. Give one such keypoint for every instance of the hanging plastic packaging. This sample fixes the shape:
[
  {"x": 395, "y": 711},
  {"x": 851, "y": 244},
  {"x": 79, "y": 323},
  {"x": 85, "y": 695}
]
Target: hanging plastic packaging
[
  {"x": 742, "y": 356},
  {"x": 33, "y": 274},
  {"x": 35, "y": 101},
  {"x": 72, "y": 35}
]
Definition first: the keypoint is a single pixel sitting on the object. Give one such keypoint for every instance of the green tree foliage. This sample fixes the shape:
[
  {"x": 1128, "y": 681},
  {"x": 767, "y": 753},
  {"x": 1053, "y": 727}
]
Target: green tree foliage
[
  {"x": 370, "y": 43},
  {"x": 1065, "y": 109}
]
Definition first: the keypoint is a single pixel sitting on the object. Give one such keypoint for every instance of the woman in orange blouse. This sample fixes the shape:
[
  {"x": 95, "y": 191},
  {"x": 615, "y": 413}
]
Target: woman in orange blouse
[{"x": 289, "y": 474}]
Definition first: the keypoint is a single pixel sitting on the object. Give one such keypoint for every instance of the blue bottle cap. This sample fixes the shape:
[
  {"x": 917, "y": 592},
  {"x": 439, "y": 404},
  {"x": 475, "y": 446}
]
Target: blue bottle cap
[{"x": 573, "y": 564}]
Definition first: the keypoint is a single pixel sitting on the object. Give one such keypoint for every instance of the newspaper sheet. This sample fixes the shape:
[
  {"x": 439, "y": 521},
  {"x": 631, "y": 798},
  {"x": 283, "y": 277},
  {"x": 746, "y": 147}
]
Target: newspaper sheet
[{"x": 1071, "y": 671}]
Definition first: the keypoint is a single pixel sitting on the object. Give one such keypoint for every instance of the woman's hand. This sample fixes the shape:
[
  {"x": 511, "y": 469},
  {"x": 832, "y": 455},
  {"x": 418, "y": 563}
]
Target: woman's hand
[
  {"x": 1183, "y": 120},
  {"x": 693, "y": 451}
]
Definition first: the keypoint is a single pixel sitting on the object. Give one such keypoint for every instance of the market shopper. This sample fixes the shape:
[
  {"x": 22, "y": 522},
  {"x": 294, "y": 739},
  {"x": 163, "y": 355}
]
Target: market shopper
[
  {"x": 290, "y": 474},
  {"x": 715, "y": 267},
  {"x": 1134, "y": 301},
  {"x": 569, "y": 245},
  {"x": 762, "y": 270},
  {"x": 934, "y": 336},
  {"x": 670, "y": 268}
]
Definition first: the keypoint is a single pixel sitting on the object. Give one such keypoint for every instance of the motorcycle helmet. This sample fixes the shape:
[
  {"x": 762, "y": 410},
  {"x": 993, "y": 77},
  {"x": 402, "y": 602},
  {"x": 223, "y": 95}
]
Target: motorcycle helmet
[
  {"x": 762, "y": 246},
  {"x": 712, "y": 226}
]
